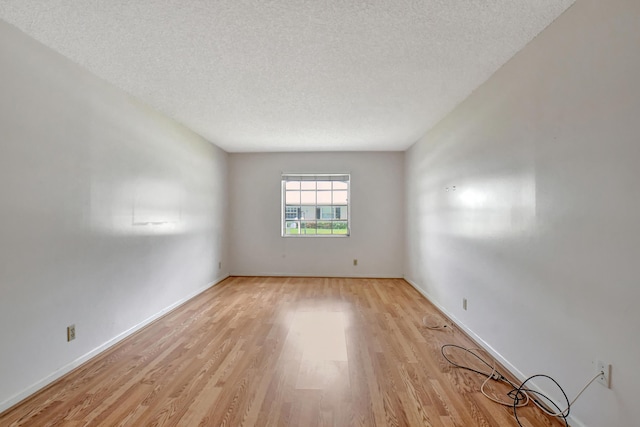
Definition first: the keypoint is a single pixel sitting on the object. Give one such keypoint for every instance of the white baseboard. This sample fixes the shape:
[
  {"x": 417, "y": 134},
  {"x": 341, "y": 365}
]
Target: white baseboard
[
  {"x": 17, "y": 398},
  {"x": 515, "y": 371},
  {"x": 354, "y": 276}
]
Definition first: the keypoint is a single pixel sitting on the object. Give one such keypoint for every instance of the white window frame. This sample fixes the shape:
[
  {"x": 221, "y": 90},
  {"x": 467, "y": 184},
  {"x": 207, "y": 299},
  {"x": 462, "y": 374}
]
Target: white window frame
[{"x": 318, "y": 177}]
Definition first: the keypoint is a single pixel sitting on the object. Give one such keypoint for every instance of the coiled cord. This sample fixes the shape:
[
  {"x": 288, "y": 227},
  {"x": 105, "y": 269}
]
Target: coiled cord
[{"x": 520, "y": 395}]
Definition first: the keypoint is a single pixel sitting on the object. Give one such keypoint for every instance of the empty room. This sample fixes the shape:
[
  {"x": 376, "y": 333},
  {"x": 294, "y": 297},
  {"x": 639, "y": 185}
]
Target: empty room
[{"x": 319, "y": 213}]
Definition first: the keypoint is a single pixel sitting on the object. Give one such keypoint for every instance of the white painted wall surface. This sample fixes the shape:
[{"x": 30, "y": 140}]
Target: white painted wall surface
[
  {"x": 377, "y": 216},
  {"x": 84, "y": 170},
  {"x": 542, "y": 232}
]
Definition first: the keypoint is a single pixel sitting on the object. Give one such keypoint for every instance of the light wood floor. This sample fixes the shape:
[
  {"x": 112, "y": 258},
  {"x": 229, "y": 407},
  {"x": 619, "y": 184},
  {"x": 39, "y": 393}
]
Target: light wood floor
[{"x": 278, "y": 352}]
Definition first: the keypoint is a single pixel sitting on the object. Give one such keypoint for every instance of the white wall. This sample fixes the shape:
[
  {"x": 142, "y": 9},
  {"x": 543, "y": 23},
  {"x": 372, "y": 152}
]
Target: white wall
[
  {"x": 377, "y": 216},
  {"x": 83, "y": 169},
  {"x": 542, "y": 232}
]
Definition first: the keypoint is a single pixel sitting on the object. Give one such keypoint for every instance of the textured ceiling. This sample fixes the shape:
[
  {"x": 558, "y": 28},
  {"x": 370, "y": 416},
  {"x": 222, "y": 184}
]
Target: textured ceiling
[{"x": 292, "y": 75}]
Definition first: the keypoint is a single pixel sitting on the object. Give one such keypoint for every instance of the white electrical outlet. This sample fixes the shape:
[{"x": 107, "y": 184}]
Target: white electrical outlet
[{"x": 604, "y": 379}]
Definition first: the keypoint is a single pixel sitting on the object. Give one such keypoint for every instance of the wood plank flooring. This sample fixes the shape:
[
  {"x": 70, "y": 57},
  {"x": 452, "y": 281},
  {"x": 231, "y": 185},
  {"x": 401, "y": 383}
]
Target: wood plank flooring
[{"x": 280, "y": 352}]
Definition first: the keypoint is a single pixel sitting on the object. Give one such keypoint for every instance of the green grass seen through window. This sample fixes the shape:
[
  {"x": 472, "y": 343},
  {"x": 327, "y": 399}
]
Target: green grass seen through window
[{"x": 296, "y": 231}]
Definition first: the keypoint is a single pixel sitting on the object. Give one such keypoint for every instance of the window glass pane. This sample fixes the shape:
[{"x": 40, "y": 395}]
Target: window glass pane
[
  {"x": 340, "y": 197},
  {"x": 308, "y": 185},
  {"x": 324, "y": 197},
  {"x": 340, "y": 227},
  {"x": 292, "y": 212},
  {"x": 291, "y": 227},
  {"x": 325, "y": 212},
  {"x": 308, "y": 197},
  {"x": 292, "y": 198},
  {"x": 341, "y": 212},
  {"x": 324, "y": 185},
  {"x": 340, "y": 185},
  {"x": 308, "y": 227},
  {"x": 293, "y": 185},
  {"x": 324, "y": 227},
  {"x": 308, "y": 213}
]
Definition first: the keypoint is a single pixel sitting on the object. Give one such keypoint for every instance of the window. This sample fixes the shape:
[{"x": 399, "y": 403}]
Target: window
[
  {"x": 315, "y": 205},
  {"x": 292, "y": 212}
]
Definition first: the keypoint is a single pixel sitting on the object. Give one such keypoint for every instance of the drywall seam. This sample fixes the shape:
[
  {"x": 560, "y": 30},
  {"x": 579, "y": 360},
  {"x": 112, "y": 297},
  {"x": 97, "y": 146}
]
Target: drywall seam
[{"x": 37, "y": 386}]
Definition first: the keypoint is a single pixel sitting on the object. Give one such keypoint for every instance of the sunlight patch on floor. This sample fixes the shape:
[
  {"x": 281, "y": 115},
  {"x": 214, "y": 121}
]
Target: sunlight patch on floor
[{"x": 320, "y": 335}]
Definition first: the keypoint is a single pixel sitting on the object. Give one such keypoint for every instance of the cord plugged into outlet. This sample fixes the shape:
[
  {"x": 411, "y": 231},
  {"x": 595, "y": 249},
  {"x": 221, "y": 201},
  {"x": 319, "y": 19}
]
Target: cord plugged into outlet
[
  {"x": 521, "y": 394},
  {"x": 604, "y": 370}
]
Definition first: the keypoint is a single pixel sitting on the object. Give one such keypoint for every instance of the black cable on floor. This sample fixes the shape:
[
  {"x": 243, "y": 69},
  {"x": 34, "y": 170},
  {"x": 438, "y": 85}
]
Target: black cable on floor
[
  {"x": 519, "y": 392},
  {"x": 522, "y": 388}
]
